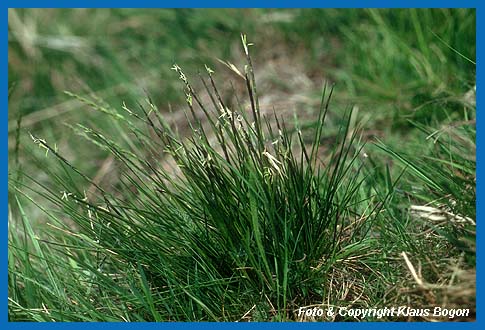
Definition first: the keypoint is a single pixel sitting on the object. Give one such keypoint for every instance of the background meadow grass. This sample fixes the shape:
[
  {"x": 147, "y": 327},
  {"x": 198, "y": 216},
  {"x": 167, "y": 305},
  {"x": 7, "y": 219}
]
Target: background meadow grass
[{"x": 153, "y": 205}]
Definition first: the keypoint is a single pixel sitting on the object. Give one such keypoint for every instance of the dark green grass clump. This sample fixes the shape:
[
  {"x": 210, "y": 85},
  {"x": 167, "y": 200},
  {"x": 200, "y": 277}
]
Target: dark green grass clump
[
  {"x": 249, "y": 216},
  {"x": 236, "y": 213}
]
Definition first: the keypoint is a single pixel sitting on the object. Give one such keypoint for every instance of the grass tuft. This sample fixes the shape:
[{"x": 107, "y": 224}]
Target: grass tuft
[{"x": 253, "y": 214}]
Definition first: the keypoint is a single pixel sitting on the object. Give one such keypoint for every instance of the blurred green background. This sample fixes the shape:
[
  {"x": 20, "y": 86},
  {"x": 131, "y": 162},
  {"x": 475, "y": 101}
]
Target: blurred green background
[{"x": 394, "y": 65}]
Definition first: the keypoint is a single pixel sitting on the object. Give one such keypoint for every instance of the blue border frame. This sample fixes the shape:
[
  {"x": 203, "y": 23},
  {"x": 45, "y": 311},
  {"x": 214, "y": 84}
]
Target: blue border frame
[
  {"x": 480, "y": 154},
  {"x": 235, "y": 4},
  {"x": 248, "y": 4}
]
